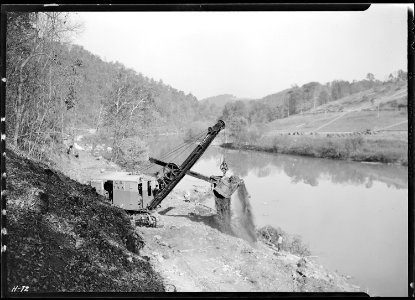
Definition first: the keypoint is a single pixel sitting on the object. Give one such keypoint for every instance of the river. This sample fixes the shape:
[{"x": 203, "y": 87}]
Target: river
[{"x": 352, "y": 215}]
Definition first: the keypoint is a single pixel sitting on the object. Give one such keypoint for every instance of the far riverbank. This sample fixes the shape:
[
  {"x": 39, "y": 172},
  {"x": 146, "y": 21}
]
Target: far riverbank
[{"x": 377, "y": 148}]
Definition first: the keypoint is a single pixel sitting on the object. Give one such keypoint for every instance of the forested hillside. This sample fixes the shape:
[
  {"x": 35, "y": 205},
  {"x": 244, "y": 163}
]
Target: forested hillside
[
  {"x": 212, "y": 107},
  {"x": 246, "y": 119},
  {"x": 55, "y": 88}
]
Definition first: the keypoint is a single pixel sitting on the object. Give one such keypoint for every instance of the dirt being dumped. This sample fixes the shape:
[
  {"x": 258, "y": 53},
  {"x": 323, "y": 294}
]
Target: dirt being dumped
[
  {"x": 223, "y": 213},
  {"x": 243, "y": 224},
  {"x": 235, "y": 217}
]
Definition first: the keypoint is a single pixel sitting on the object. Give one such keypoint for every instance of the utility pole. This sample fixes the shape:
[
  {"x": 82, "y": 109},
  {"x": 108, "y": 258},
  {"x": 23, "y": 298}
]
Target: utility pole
[{"x": 378, "y": 110}]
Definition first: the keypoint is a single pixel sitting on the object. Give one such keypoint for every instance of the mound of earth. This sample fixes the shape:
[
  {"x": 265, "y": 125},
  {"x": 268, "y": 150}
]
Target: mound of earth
[{"x": 62, "y": 236}]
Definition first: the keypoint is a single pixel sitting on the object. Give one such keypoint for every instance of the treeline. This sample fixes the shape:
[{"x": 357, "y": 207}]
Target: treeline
[
  {"x": 55, "y": 88},
  {"x": 246, "y": 118}
]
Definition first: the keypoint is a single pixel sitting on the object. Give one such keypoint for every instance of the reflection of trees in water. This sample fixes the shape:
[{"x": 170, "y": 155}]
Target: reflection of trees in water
[
  {"x": 264, "y": 172},
  {"x": 241, "y": 162},
  {"x": 299, "y": 169},
  {"x": 309, "y": 170}
]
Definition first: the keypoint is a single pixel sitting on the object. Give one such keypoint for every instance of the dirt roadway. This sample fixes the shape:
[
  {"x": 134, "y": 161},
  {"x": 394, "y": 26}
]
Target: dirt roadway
[{"x": 191, "y": 254}]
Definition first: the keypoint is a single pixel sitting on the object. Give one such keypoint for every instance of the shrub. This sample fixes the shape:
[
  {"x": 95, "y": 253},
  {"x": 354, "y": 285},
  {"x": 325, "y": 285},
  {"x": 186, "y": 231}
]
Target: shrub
[
  {"x": 132, "y": 153},
  {"x": 292, "y": 244}
]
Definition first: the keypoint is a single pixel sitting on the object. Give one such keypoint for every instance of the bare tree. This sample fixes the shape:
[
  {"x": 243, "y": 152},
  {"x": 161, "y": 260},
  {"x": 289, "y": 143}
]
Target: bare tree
[{"x": 33, "y": 40}]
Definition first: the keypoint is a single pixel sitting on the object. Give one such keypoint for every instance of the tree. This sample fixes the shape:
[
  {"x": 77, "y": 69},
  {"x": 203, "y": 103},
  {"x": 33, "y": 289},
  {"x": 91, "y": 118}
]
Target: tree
[
  {"x": 294, "y": 96},
  {"x": 339, "y": 89},
  {"x": 309, "y": 92},
  {"x": 237, "y": 126},
  {"x": 370, "y": 77},
  {"x": 125, "y": 100},
  {"x": 323, "y": 97},
  {"x": 33, "y": 61},
  {"x": 132, "y": 153},
  {"x": 401, "y": 75},
  {"x": 237, "y": 108}
]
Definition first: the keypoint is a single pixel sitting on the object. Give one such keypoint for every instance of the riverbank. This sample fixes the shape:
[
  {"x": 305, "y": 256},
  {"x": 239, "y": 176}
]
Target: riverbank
[
  {"x": 193, "y": 255},
  {"x": 362, "y": 148},
  {"x": 64, "y": 237}
]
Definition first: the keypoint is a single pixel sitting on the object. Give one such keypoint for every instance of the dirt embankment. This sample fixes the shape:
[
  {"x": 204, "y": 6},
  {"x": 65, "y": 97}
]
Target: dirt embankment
[{"x": 62, "y": 236}]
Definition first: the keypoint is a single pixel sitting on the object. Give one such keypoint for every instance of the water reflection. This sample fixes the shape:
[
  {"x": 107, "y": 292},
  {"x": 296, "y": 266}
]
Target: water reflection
[
  {"x": 299, "y": 169},
  {"x": 309, "y": 170}
]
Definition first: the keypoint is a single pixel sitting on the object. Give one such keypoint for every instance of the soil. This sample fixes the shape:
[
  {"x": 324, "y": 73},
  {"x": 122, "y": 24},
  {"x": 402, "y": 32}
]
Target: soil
[{"x": 63, "y": 237}]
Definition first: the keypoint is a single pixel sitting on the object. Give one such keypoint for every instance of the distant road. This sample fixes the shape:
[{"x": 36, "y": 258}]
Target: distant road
[{"x": 393, "y": 125}]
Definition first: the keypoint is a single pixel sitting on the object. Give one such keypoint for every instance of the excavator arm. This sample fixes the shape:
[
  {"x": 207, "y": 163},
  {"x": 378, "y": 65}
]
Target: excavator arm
[{"x": 176, "y": 173}]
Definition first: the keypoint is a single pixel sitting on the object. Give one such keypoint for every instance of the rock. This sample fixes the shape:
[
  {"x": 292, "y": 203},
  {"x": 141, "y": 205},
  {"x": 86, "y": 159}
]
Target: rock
[
  {"x": 157, "y": 237},
  {"x": 225, "y": 268},
  {"x": 78, "y": 244},
  {"x": 302, "y": 263},
  {"x": 187, "y": 195},
  {"x": 134, "y": 242}
]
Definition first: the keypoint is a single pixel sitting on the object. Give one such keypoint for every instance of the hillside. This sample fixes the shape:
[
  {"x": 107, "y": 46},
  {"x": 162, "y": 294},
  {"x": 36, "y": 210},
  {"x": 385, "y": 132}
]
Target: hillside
[
  {"x": 353, "y": 113},
  {"x": 370, "y": 126},
  {"x": 211, "y": 108},
  {"x": 221, "y": 100},
  {"x": 63, "y": 237},
  {"x": 167, "y": 107}
]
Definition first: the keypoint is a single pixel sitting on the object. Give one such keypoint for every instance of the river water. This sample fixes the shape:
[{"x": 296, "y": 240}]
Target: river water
[{"x": 353, "y": 216}]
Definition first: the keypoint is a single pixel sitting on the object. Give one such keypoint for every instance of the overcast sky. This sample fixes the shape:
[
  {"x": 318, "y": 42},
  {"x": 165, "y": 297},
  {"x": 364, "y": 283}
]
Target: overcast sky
[{"x": 250, "y": 54}]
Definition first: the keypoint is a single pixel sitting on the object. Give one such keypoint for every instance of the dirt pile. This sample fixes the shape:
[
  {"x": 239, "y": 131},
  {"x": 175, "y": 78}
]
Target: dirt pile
[{"x": 62, "y": 236}]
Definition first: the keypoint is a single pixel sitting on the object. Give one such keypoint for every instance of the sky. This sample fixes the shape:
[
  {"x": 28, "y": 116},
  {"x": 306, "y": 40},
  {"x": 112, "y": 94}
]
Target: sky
[{"x": 250, "y": 54}]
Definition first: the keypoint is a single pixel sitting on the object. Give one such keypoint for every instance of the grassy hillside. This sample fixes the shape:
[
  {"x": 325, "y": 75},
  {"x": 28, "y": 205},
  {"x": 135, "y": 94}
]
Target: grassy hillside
[
  {"x": 63, "y": 237},
  {"x": 366, "y": 126},
  {"x": 353, "y": 113}
]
